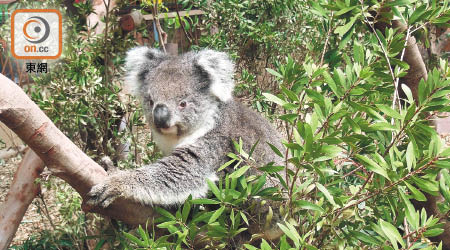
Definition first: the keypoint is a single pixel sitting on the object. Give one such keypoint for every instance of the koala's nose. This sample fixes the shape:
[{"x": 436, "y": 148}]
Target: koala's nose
[{"x": 161, "y": 116}]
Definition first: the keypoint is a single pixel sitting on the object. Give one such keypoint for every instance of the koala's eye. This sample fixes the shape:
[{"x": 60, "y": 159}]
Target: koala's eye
[
  {"x": 150, "y": 102},
  {"x": 183, "y": 104}
]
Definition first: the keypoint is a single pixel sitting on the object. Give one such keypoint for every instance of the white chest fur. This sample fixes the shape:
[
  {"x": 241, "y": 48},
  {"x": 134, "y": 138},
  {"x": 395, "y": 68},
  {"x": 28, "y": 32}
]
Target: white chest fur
[{"x": 167, "y": 142}]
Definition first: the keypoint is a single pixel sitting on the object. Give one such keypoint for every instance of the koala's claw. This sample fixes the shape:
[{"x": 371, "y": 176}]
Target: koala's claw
[{"x": 102, "y": 195}]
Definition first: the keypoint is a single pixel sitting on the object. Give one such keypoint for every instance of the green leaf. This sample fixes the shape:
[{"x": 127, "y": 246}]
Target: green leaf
[
  {"x": 435, "y": 145},
  {"x": 238, "y": 173},
  {"x": 144, "y": 235},
  {"x": 289, "y": 117},
  {"x": 308, "y": 138},
  {"x": 228, "y": 163},
  {"x": 381, "y": 37},
  {"x": 331, "y": 150},
  {"x": 327, "y": 194},
  {"x": 415, "y": 192},
  {"x": 205, "y": 201},
  {"x": 329, "y": 80},
  {"x": 358, "y": 52},
  {"x": 271, "y": 169},
  {"x": 216, "y": 215},
  {"x": 311, "y": 247},
  {"x": 433, "y": 232},
  {"x": 426, "y": 185},
  {"x": 403, "y": 65},
  {"x": 275, "y": 99},
  {"x": 372, "y": 166},
  {"x": 273, "y": 72},
  {"x": 290, "y": 232},
  {"x": 265, "y": 245},
  {"x": 422, "y": 93},
  {"x": 341, "y": 30},
  {"x": 275, "y": 150},
  {"x": 100, "y": 244},
  {"x": 164, "y": 213},
  {"x": 186, "y": 210},
  {"x": 443, "y": 163},
  {"x": 445, "y": 152},
  {"x": 316, "y": 96},
  {"x": 408, "y": 93},
  {"x": 389, "y": 111},
  {"x": 244, "y": 217},
  {"x": 355, "y": 127},
  {"x": 250, "y": 247},
  {"x": 212, "y": 186},
  {"x": 328, "y": 152},
  {"x": 382, "y": 126},
  {"x": 318, "y": 10},
  {"x": 309, "y": 206},
  {"x": 410, "y": 157},
  {"x": 443, "y": 184},
  {"x": 417, "y": 14},
  {"x": 411, "y": 215},
  {"x": 365, "y": 237},
  {"x": 345, "y": 10},
  {"x": 290, "y": 94},
  {"x": 391, "y": 232},
  {"x": 134, "y": 239}
]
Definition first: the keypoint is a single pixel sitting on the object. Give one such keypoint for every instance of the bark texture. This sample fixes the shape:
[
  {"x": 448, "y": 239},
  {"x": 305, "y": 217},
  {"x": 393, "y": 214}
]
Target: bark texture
[{"x": 20, "y": 195}]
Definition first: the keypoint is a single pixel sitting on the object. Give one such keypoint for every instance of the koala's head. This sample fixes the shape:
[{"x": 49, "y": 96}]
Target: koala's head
[{"x": 179, "y": 94}]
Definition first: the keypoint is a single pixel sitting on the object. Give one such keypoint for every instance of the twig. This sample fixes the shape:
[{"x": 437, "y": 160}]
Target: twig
[
  {"x": 181, "y": 23},
  {"x": 419, "y": 232},
  {"x": 419, "y": 170},
  {"x": 107, "y": 5},
  {"x": 405, "y": 225},
  {"x": 396, "y": 96},
  {"x": 326, "y": 41},
  {"x": 158, "y": 26},
  {"x": 46, "y": 212}
]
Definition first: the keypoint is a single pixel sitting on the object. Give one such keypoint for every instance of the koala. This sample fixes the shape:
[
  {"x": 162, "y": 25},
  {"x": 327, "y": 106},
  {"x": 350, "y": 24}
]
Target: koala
[{"x": 189, "y": 106}]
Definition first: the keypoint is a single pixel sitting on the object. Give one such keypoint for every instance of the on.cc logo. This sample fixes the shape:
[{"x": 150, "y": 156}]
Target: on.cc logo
[
  {"x": 39, "y": 29},
  {"x": 36, "y": 34}
]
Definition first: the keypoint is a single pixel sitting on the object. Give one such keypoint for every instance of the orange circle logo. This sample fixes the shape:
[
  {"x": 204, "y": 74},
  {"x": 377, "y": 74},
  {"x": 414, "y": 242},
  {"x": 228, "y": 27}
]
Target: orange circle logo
[{"x": 36, "y": 29}]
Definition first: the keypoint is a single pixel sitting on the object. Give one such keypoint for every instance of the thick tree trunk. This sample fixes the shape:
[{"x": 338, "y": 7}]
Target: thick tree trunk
[
  {"x": 63, "y": 158},
  {"x": 20, "y": 195}
]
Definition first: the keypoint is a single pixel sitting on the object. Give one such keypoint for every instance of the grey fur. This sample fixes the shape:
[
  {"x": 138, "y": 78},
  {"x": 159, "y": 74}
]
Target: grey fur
[{"x": 202, "y": 121}]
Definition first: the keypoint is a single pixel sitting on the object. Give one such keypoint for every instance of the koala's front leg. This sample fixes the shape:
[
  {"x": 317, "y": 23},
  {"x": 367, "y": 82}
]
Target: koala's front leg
[{"x": 167, "y": 182}]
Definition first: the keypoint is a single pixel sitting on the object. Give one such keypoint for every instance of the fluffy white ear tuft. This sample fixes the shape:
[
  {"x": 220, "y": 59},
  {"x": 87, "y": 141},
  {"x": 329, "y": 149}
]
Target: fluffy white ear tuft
[
  {"x": 138, "y": 62},
  {"x": 220, "y": 69}
]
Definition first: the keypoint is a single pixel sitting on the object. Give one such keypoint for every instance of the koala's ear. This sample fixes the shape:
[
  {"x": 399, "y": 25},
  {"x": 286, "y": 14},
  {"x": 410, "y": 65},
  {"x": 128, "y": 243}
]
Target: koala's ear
[
  {"x": 220, "y": 70},
  {"x": 138, "y": 63}
]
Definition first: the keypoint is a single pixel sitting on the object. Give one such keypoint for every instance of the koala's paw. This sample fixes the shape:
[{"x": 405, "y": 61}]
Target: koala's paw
[{"x": 103, "y": 194}]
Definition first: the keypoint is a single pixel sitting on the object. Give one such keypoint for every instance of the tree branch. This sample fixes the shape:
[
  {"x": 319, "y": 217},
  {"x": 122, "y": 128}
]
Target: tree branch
[
  {"x": 20, "y": 195},
  {"x": 63, "y": 158}
]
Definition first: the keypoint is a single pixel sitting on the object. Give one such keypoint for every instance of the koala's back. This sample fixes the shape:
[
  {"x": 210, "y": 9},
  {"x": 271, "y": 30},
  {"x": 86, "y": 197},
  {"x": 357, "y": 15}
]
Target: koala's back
[{"x": 238, "y": 121}]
